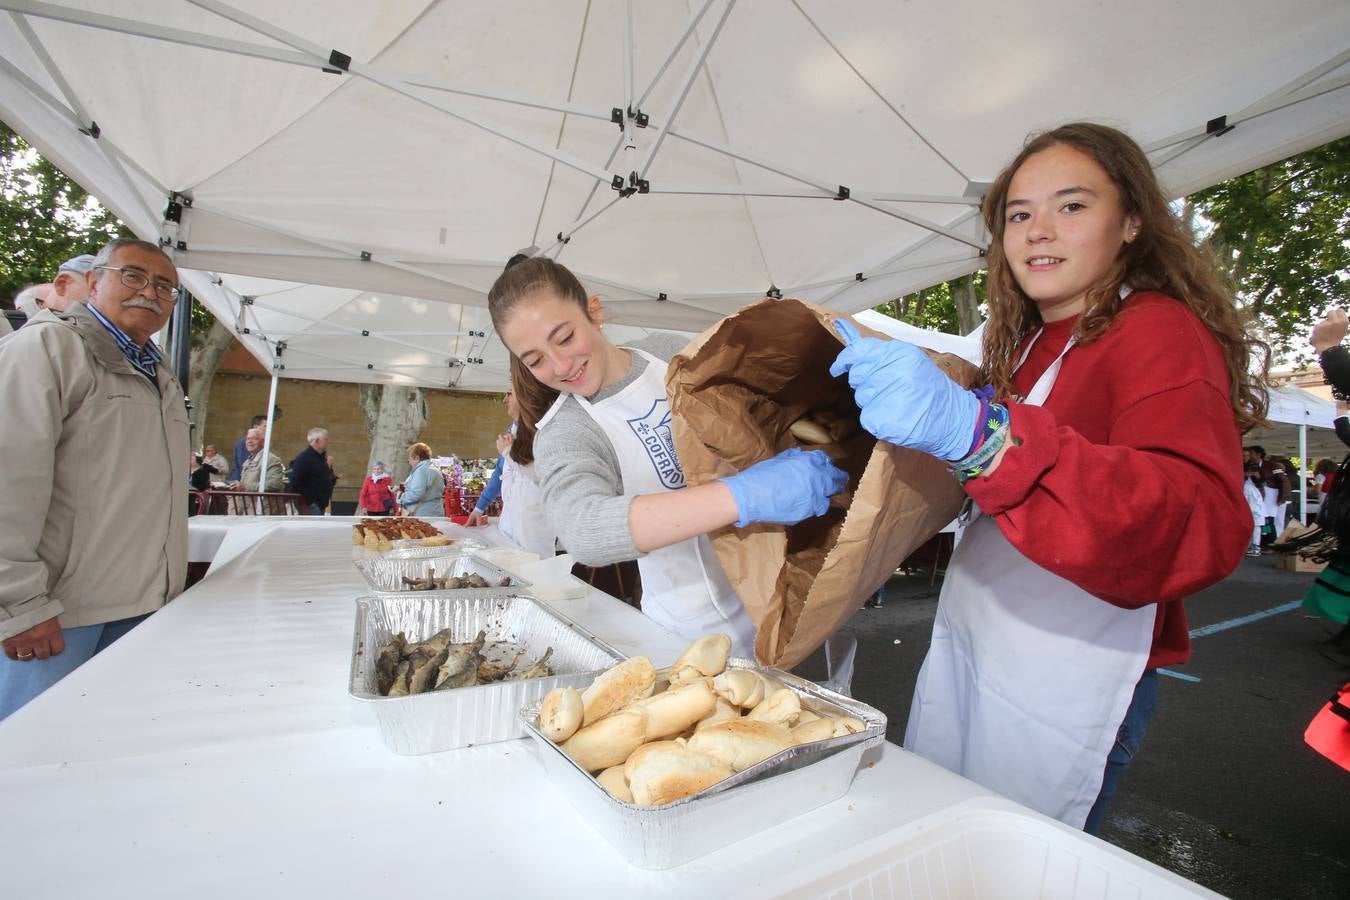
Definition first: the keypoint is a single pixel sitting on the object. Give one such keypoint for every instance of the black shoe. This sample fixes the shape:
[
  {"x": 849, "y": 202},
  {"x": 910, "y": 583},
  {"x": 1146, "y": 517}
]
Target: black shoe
[{"x": 1336, "y": 655}]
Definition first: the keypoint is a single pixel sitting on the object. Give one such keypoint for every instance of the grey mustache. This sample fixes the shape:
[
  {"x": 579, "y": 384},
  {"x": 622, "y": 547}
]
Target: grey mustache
[{"x": 141, "y": 303}]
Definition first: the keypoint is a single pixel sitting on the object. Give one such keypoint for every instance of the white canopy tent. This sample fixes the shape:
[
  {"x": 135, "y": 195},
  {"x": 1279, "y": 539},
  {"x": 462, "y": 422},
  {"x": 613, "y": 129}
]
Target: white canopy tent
[{"x": 683, "y": 158}]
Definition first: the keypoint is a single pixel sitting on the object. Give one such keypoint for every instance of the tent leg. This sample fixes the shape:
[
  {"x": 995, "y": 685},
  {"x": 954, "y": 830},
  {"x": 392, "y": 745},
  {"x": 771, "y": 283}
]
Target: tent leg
[
  {"x": 267, "y": 435},
  {"x": 1303, "y": 488}
]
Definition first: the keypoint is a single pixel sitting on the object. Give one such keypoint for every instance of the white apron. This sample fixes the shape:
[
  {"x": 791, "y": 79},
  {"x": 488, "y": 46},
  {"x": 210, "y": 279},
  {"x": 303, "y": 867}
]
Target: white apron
[
  {"x": 523, "y": 519},
  {"x": 1028, "y": 676},
  {"x": 683, "y": 586}
]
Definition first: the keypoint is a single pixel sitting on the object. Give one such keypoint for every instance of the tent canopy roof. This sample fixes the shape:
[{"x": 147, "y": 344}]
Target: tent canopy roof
[{"x": 683, "y": 159}]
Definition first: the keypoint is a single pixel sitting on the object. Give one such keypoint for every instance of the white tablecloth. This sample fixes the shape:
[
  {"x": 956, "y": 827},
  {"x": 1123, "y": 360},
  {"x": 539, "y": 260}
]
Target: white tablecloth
[{"x": 214, "y": 752}]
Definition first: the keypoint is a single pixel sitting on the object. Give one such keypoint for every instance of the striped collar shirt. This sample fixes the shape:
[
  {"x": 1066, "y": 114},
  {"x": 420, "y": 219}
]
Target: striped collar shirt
[{"x": 143, "y": 359}]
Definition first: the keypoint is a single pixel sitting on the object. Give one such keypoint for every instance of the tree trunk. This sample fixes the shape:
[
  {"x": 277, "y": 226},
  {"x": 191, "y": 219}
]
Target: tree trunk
[
  {"x": 967, "y": 303},
  {"x": 204, "y": 361},
  {"x": 395, "y": 416}
]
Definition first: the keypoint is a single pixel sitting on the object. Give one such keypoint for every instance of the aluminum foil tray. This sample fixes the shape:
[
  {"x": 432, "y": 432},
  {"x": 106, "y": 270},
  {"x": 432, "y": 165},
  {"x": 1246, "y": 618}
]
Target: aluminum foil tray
[
  {"x": 788, "y": 784},
  {"x": 386, "y": 571},
  {"x": 407, "y": 549},
  {"x": 462, "y": 717}
]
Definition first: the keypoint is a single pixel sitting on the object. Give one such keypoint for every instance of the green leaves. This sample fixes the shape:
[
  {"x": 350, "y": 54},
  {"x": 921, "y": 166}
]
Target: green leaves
[
  {"x": 1280, "y": 234},
  {"x": 45, "y": 217}
]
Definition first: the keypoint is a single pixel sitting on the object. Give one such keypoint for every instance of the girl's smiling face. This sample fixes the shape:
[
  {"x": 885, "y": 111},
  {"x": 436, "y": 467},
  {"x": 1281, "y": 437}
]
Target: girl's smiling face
[
  {"x": 560, "y": 343},
  {"x": 1064, "y": 228}
]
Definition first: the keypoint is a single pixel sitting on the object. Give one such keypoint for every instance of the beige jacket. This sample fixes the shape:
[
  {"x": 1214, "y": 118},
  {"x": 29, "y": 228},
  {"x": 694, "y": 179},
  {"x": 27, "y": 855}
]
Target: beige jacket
[
  {"x": 248, "y": 472},
  {"x": 92, "y": 543}
]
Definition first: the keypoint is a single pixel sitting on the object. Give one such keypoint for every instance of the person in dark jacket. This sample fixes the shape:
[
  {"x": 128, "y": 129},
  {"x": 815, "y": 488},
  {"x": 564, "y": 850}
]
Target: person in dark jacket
[{"x": 311, "y": 475}]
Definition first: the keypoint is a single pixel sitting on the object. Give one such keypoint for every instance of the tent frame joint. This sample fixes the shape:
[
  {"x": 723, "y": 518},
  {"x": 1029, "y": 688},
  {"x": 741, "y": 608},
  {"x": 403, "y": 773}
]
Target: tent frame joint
[
  {"x": 634, "y": 185},
  {"x": 338, "y": 62},
  {"x": 1217, "y": 127}
]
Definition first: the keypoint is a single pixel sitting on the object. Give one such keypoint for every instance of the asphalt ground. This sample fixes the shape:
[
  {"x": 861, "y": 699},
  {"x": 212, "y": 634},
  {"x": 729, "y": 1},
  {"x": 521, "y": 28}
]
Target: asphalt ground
[{"x": 1224, "y": 791}]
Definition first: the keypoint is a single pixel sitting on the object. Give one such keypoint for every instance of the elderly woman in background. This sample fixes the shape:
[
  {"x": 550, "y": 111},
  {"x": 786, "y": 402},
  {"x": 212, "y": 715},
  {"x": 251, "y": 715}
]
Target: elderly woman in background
[
  {"x": 250, "y": 472},
  {"x": 377, "y": 498},
  {"x": 424, "y": 489}
]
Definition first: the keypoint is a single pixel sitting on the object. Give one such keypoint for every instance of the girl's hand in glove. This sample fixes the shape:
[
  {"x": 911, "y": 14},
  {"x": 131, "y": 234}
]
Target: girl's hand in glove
[
  {"x": 787, "y": 488},
  {"x": 904, "y": 397}
]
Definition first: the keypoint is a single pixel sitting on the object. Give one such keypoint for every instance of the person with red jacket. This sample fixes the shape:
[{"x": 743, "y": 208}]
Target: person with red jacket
[
  {"x": 1111, "y": 346},
  {"x": 376, "y": 497}
]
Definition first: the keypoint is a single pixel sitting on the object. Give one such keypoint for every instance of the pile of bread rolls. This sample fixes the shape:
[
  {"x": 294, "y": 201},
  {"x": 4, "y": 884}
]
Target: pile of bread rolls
[{"x": 650, "y": 746}]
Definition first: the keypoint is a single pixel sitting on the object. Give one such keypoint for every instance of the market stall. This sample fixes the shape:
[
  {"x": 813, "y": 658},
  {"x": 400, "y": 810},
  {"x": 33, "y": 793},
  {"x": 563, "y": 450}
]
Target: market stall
[{"x": 215, "y": 750}]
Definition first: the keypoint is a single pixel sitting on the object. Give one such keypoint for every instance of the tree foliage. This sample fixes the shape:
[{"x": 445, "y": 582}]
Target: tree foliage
[
  {"x": 1280, "y": 235},
  {"x": 45, "y": 217}
]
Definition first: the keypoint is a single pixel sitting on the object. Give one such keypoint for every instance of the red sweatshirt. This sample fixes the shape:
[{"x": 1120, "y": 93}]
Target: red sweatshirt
[{"x": 1128, "y": 481}]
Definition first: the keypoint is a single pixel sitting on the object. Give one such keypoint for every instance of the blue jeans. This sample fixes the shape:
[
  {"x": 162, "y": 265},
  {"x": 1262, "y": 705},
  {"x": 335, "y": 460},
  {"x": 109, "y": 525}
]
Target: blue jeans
[
  {"x": 22, "y": 681},
  {"x": 1128, "y": 739}
]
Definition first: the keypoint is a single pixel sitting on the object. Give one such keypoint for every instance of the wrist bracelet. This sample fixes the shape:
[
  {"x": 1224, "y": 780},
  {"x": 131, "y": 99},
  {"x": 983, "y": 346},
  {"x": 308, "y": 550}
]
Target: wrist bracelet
[{"x": 995, "y": 432}]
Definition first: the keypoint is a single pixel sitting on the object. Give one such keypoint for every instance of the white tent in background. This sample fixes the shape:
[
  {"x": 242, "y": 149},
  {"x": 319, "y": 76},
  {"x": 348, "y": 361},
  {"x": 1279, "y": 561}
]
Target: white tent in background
[{"x": 683, "y": 158}]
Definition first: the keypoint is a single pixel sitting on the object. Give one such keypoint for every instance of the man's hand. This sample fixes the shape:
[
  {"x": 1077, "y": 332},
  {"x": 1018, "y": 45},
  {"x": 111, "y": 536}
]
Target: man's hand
[
  {"x": 39, "y": 642},
  {"x": 1330, "y": 331},
  {"x": 476, "y": 516}
]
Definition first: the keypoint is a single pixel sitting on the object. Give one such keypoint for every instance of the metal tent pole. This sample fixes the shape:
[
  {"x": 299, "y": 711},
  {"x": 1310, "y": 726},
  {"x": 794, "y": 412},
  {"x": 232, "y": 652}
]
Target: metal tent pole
[
  {"x": 1303, "y": 459},
  {"x": 267, "y": 434}
]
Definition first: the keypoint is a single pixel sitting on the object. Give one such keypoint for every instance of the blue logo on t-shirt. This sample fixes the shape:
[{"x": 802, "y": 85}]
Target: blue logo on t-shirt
[{"x": 653, "y": 431}]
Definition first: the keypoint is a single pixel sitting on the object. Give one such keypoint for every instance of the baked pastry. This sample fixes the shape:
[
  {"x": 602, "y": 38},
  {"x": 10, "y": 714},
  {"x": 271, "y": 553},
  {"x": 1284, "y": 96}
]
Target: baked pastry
[
  {"x": 740, "y": 687},
  {"x": 609, "y": 741},
  {"x": 617, "y": 687},
  {"x": 705, "y": 656},
  {"x": 782, "y": 707},
  {"x": 613, "y": 781},
  {"x": 741, "y": 743},
  {"x": 560, "y": 714},
  {"x": 672, "y": 773},
  {"x": 672, "y": 711}
]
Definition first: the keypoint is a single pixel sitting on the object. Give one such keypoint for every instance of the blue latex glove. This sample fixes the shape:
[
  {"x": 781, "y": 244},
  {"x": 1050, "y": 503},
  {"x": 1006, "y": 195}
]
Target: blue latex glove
[
  {"x": 787, "y": 488},
  {"x": 904, "y": 397}
]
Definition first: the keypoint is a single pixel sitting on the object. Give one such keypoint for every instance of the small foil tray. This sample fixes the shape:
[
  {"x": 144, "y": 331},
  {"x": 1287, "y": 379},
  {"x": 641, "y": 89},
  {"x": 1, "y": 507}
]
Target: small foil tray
[
  {"x": 785, "y": 785},
  {"x": 385, "y": 573},
  {"x": 413, "y": 547},
  {"x": 462, "y": 717}
]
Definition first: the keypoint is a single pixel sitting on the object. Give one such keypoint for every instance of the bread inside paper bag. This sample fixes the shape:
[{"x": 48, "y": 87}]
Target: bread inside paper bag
[{"x": 734, "y": 391}]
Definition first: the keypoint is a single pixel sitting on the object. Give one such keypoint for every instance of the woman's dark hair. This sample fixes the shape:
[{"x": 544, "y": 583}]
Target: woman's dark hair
[
  {"x": 1163, "y": 258},
  {"x": 520, "y": 279}
]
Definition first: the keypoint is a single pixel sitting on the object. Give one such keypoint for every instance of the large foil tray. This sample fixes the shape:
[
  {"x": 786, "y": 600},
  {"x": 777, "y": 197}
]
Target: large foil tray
[
  {"x": 385, "y": 572},
  {"x": 446, "y": 720},
  {"x": 791, "y": 783}
]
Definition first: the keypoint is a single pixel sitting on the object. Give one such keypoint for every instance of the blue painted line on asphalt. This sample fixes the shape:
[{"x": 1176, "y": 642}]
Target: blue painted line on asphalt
[
  {"x": 1231, "y": 623},
  {"x": 1244, "y": 620},
  {"x": 1170, "y": 674}
]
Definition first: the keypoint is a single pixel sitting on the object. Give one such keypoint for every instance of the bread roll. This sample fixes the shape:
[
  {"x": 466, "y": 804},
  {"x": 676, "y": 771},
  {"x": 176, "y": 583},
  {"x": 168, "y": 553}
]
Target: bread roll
[
  {"x": 705, "y": 656},
  {"x": 560, "y": 714},
  {"x": 805, "y": 429},
  {"x": 805, "y": 716},
  {"x": 722, "y": 712},
  {"x": 616, "y": 688},
  {"x": 816, "y": 730},
  {"x": 673, "y": 711},
  {"x": 637, "y": 757},
  {"x": 848, "y": 725},
  {"x": 607, "y": 742},
  {"x": 613, "y": 781},
  {"x": 740, "y": 743},
  {"x": 672, "y": 773},
  {"x": 782, "y": 707},
  {"x": 739, "y": 687}
]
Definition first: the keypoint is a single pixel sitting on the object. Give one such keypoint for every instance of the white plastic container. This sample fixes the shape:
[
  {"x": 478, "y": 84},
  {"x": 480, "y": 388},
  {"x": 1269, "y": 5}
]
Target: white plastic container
[{"x": 985, "y": 849}]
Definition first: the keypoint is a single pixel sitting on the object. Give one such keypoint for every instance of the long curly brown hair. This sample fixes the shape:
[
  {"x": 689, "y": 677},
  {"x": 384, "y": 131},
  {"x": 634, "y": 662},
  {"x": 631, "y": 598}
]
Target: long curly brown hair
[
  {"x": 1163, "y": 258},
  {"x": 522, "y": 277}
]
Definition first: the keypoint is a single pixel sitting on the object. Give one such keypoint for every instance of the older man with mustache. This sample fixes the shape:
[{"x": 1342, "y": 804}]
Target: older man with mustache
[{"x": 87, "y": 552}]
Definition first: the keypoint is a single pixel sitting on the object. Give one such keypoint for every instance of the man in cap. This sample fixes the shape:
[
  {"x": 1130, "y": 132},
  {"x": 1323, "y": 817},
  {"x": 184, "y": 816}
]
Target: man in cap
[
  {"x": 71, "y": 283},
  {"x": 87, "y": 552}
]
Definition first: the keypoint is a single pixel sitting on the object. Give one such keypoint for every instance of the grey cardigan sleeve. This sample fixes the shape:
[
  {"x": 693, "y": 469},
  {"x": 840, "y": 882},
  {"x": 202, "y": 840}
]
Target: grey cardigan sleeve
[{"x": 582, "y": 484}]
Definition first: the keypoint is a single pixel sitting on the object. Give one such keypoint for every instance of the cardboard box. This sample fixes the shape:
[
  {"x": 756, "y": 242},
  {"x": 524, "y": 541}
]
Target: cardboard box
[{"x": 1292, "y": 562}]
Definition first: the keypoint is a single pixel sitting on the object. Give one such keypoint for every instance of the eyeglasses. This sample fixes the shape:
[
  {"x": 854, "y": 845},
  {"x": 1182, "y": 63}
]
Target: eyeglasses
[{"x": 137, "y": 280}]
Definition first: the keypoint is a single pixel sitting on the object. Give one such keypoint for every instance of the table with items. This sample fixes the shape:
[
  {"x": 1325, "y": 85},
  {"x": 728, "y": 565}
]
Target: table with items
[{"x": 216, "y": 749}]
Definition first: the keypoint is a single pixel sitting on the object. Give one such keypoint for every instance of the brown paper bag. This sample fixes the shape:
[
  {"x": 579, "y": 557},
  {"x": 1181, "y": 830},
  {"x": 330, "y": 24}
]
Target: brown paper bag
[{"x": 734, "y": 391}]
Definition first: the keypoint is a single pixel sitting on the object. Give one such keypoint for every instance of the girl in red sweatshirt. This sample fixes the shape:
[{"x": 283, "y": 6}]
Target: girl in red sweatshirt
[{"x": 1104, "y": 462}]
